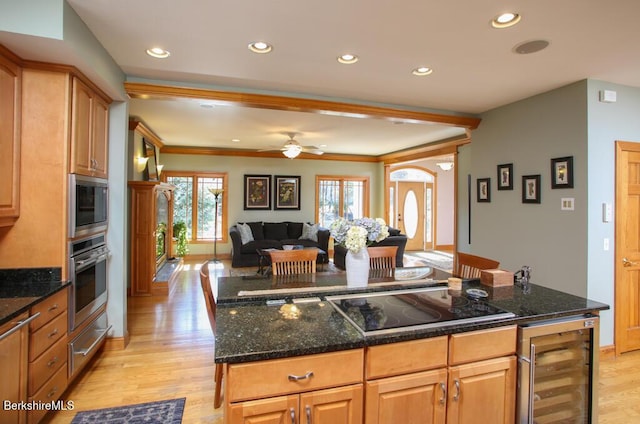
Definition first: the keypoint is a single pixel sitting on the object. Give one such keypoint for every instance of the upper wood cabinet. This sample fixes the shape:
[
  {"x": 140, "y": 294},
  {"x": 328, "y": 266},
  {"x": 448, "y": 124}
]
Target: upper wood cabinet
[
  {"x": 89, "y": 131},
  {"x": 10, "y": 105}
]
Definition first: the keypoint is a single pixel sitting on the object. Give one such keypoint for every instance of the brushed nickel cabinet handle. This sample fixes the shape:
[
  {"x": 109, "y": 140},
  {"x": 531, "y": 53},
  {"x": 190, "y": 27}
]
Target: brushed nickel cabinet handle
[
  {"x": 443, "y": 399},
  {"x": 53, "y": 308},
  {"x": 52, "y": 362},
  {"x": 53, "y": 333},
  {"x": 456, "y": 382},
  {"x": 19, "y": 325},
  {"x": 293, "y": 416},
  {"x": 626, "y": 262},
  {"x": 308, "y": 409},
  {"x": 300, "y": 377}
]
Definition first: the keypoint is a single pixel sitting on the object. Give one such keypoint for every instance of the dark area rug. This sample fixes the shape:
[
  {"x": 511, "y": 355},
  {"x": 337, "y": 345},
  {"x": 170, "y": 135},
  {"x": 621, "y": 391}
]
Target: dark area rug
[{"x": 161, "y": 412}]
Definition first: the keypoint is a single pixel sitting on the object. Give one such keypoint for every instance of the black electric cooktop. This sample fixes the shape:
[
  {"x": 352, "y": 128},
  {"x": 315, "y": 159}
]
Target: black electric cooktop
[{"x": 404, "y": 310}]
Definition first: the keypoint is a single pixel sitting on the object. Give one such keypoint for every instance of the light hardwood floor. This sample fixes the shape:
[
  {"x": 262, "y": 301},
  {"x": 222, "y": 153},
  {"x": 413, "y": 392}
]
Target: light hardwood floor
[{"x": 170, "y": 355}]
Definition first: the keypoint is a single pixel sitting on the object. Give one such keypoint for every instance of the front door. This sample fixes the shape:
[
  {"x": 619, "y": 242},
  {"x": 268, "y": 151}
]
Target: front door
[
  {"x": 627, "y": 265},
  {"x": 412, "y": 214}
]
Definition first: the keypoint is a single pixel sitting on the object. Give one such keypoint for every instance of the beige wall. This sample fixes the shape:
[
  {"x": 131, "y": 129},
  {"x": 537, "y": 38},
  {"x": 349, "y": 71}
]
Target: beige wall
[{"x": 237, "y": 167}]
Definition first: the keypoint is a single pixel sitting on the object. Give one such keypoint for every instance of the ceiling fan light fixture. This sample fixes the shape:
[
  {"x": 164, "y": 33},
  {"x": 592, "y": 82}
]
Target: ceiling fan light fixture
[
  {"x": 260, "y": 47},
  {"x": 505, "y": 20},
  {"x": 445, "y": 166},
  {"x": 291, "y": 151}
]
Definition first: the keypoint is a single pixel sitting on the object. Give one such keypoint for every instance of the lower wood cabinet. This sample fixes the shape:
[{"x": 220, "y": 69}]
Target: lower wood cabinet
[
  {"x": 48, "y": 372},
  {"x": 470, "y": 378},
  {"x": 465, "y": 378},
  {"x": 414, "y": 398},
  {"x": 336, "y": 406},
  {"x": 483, "y": 392},
  {"x": 14, "y": 340},
  {"x": 322, "y": 388}
]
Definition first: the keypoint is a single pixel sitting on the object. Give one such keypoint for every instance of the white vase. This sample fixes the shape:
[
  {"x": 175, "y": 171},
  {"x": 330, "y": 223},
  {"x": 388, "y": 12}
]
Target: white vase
[{"x": 357, "y": 265}]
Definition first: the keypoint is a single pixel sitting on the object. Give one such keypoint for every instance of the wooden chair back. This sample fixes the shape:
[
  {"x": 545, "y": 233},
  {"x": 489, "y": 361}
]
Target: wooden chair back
[
  {"x": 382, "y": 257},
  {"x": 469, "y": 266},
  {"x": 301, "y": 261},
  {"x": 209, "y": 300}
]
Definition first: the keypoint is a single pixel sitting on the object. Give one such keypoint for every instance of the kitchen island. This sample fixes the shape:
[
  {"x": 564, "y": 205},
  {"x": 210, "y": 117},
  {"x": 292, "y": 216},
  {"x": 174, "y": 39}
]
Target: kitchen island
[{"x": 305, "y": 349}]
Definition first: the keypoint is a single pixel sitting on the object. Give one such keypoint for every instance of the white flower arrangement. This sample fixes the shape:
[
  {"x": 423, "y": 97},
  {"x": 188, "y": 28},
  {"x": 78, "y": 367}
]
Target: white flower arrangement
[{"x": 359, "y": 233}]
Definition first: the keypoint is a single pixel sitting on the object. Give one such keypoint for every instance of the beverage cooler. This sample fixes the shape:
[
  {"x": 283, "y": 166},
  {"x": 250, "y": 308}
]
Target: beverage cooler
[{"x": 557, "y": 371}]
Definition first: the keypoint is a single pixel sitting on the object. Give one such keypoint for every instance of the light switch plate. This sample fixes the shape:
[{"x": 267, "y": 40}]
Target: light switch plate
[
  {"x": 607, "y": 212},
  {"x": 567, "y": 203}
]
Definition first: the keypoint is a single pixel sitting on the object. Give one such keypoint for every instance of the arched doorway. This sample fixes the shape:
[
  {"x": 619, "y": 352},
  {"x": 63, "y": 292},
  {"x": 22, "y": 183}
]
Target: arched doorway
[{"x": 411, "y": 206}]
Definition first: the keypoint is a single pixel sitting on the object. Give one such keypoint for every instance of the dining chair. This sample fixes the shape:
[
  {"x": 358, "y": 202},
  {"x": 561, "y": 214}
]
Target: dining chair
[
  {"x": 382, "y": 257},
  {"x": 302, "y": 261},
  {"x": 382, "y": 261},
  {"x": 469, "y": 266},
  {"x": 210, "y": 301}
]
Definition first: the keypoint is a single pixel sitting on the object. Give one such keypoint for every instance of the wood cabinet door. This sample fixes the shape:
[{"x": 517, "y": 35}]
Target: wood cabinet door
[
  {"x": 277, "y": 410},
  {"x": 483, "y": 392},
  {"x": 81, "y": 109},
  {"x": 10, "y": 90},
  {"x": 99, "y": 139},
  {"x": 341, "y": 405},
  {"x": 418, "y": 398},
  {"x": 13, "y": 368}
]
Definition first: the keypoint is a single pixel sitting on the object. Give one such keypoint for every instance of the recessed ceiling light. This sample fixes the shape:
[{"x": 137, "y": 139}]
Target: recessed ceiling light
[
  {"x": 260, "y": 47},
  {"x": 235, "y": 140},
  {"x": 348, "y": 59},
  {"x": 158, "y": 53},
  {"x": 505, "y": 20},
  {"x": 422, "y": 71}
]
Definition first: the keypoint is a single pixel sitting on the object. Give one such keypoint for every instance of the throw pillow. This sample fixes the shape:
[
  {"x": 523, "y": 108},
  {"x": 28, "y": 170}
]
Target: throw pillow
[
  {"x": 256, "y": 229},
  {"x": 309, "y": 232},
  {"x": 245, "y": 233}
]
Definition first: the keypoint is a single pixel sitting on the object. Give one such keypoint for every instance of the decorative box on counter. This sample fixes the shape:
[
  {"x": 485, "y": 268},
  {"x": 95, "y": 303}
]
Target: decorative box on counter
[{"x": 496, "y": 277}]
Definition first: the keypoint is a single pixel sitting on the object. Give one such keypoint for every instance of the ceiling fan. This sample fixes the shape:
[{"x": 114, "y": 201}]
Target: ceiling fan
[{"x": 292, "y": 148}]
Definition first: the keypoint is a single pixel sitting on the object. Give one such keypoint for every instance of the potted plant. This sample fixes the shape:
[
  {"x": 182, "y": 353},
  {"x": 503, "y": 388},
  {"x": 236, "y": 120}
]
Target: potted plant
[{"x": 180, "y": 234}]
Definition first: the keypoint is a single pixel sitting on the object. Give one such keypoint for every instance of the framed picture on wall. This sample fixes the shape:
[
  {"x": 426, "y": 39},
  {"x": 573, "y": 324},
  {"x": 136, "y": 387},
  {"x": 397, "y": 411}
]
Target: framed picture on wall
[
  {"x": 286, "y": 192},
  {"x": 505, "y": 176},
  {"x": 562, "y": 172},
  {"x": 531, "y": 188},
  {"x": 484, "y": 189},
  {"x": 257, "y": 192}
]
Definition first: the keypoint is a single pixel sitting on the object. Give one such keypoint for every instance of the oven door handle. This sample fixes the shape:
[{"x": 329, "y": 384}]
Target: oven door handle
[{"x": 83, "y": 264}]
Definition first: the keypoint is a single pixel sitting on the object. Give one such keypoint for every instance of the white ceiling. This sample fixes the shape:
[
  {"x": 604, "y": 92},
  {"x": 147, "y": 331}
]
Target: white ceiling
[{"x": 475, "y": 67}]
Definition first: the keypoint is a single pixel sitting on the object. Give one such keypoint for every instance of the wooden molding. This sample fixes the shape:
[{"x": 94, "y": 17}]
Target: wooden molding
[
  {"x": 147, "y": 133},
  {"x": 607, "y": 352},
  {"x": 212, "y": 151},
  {"x": 265, "y": 101},
  {"x": 117, "y": 343}
]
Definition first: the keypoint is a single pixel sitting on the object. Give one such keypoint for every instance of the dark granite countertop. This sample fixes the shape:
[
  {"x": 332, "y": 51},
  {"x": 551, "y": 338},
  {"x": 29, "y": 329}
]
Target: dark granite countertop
[
  {"x": 259, "y": 288},
  {"x": 252, "y": 331},
  {"x": 20, "y": 289}
]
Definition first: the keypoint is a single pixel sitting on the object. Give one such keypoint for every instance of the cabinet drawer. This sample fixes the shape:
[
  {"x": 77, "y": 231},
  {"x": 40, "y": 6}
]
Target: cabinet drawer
[
  {"x": 406, "y": 357},
  {"x": 483, "y": 344},
  {"x": 47, "y": 364},
  {"x": 50, "y": 391},
  {"x": 47, "y": 335},
  {"x": 271, "y": 378},
  {"x": 49, "y": 308}
]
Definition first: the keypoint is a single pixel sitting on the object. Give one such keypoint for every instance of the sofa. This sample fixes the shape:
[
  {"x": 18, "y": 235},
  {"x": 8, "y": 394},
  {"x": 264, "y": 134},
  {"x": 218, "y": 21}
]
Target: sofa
[
  {"x": 395, "y": 239},
  {"x": 247, "y": 237}
]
